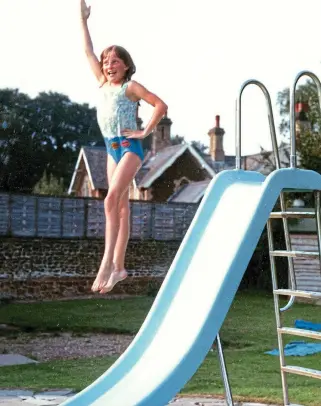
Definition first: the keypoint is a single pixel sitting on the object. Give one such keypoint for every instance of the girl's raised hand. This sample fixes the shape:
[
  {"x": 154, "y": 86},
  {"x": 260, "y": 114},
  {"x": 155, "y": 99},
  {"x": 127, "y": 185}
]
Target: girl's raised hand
[{"x": 85, "y": 10}]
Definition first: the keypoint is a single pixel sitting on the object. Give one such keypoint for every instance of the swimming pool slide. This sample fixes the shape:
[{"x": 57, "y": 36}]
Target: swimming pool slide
[{"x": 197, "y": 292}]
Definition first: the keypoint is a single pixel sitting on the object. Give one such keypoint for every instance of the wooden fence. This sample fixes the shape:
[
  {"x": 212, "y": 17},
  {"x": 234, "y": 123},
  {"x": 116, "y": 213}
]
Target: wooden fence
[{"x": 64, "y": 217}]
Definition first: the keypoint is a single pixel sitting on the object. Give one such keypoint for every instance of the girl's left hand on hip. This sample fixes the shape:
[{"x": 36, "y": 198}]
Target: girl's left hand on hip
[{"x": 139, "y": 134}]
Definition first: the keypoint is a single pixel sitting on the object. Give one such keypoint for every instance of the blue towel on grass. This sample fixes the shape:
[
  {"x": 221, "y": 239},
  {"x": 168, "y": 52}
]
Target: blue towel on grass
[
  {"x": 307, "y": 325},
  {"x": 298, "y": 349},
  {"x": 301, "y": 348}
]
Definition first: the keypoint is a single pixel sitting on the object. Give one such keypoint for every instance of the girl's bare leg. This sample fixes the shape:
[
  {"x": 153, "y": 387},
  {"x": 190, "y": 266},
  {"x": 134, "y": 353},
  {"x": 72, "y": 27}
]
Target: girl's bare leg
[
  {"x": 123, "y": 235},
  {"x": 122, "y": 176},
  {"x": 119, "y": 272},
  {"x": 111, "y": 167}
]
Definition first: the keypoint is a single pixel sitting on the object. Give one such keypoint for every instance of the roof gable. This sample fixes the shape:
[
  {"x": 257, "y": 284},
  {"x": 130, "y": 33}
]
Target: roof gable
[
  {"x": 97, "y": 166},
  {"x": 156, "y": 165},
  {"x": 95, "y": 163}
]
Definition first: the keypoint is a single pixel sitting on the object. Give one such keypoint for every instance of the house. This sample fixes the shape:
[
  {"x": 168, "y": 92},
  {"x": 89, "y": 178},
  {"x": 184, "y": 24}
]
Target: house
[
  {"x": 165, "y": 169},
  {"x": 263, "y": 162},
  {"x": 90, "y": 176},
  {"x": 165, "y": 172},
  {"x": 173, "y": 173}
]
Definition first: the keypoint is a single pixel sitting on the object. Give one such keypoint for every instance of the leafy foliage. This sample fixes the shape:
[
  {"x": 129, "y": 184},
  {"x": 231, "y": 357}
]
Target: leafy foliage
[
  {"x": 200, "y": 147},
  {"x": 305, "y": 93},
  {"x": 309, "y": 142},
  {"x": 177, "y": 139},
  {"x": 49, "y": 185},
  {"x": 41, "y": 134}
]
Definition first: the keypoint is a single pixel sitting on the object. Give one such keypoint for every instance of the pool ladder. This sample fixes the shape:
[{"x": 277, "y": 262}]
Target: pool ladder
[{"x": 293, "y": 292}]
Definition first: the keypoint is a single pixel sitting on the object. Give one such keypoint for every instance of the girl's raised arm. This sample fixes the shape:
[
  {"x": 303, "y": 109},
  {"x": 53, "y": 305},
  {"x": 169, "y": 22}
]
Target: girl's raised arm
[{"x": 88, "y": 45}]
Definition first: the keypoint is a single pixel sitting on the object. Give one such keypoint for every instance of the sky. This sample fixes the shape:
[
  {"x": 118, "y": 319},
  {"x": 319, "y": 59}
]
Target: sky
[{"x": 195, "y": 55}]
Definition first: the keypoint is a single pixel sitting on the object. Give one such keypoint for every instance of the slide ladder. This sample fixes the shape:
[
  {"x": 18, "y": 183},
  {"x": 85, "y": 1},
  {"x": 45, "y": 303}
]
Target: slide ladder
[{"x": 293, "y": 292}]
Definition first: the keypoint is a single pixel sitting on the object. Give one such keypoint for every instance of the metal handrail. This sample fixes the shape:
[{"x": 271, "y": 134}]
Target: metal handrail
[
  {"x": 239, "y": 122},
  {"x": 277, "y": 162},
  {"x": 293, "y": 163}
]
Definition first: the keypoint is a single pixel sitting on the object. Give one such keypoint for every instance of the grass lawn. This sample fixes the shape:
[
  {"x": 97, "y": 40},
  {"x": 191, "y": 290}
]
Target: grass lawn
[{"x": 248, "y": 331}]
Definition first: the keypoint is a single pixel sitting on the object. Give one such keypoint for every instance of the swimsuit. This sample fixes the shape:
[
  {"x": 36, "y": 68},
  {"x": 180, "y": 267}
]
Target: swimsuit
[{"x": 115, "y": 112}]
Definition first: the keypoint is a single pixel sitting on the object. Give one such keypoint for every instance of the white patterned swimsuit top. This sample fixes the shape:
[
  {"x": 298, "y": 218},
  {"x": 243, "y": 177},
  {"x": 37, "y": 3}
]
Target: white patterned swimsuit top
[{"x": 115, "y": 111}]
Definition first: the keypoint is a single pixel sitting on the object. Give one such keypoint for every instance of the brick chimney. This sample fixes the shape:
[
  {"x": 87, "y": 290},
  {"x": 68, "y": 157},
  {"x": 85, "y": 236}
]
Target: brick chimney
[
  {"x": 216, "y": 141},
  {"x": 161, "y": 137},
  {"x": 139, "y": 121}
]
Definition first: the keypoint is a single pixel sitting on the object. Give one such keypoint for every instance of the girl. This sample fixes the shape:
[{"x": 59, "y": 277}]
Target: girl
[{"x": 116, "y": 114}]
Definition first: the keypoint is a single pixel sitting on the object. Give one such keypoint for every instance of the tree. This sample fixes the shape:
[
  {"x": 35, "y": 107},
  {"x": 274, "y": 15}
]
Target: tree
[
  {"x": 68, "y": 126},
  {"x": 21, "y": 153},
  {"x": 177, "y": 139},
  {"x": 44, "y": 133},
  {"x": 309, "y": 149},
  {"x": 199, "y": 146},
  {"x": 49, "y": 185},
  {"x": 308, "y": 143}
]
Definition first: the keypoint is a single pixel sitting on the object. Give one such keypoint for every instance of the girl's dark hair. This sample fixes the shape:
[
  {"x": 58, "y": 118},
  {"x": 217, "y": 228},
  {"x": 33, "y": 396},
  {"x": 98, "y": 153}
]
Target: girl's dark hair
[{"x": 124, "y": 56}]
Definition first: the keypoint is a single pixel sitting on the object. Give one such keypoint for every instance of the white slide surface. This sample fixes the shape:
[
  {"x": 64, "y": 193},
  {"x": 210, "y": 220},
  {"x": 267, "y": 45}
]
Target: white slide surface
[{"x": 197, "y": 292}]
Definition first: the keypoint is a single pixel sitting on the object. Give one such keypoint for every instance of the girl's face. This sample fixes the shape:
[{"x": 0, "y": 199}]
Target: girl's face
[{"x": 114, "y": 68}]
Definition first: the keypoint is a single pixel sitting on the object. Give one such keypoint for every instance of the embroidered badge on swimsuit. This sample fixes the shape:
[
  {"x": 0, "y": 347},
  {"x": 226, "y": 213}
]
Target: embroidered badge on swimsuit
[
  {"x": 114, "y": 145},
  {"x": 125, "y": 143}
]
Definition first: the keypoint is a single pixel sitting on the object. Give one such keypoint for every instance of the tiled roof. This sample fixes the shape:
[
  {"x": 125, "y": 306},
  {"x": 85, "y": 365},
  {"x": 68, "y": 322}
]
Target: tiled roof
[
  {"x": 154, "y": 166},
  {"x": 97, "y": 165},
  {"x": 154, "y": 163},
  {"x": 96, "y": 162},
  {"x": 190, "y": 193},
  {"x": 263, "y": 162},
  {"x": 141, "y": 174},
  {"x": 229, "y": 163}
]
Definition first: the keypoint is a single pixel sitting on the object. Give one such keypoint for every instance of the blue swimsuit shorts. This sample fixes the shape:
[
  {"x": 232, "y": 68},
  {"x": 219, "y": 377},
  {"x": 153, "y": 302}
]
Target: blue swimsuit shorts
[{"x": 118, "y": 146}]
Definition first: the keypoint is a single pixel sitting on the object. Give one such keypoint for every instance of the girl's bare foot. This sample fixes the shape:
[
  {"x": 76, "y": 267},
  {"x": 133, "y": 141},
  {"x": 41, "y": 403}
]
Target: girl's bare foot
[
  {"x": 115, "y": 277},
  {"x": 102, "y": 277}
]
